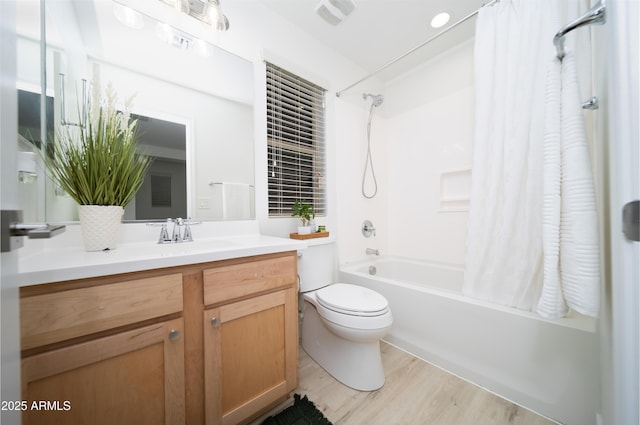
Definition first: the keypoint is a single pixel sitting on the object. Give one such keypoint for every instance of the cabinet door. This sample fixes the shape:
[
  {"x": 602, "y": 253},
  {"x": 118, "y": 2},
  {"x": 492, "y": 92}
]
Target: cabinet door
[
  {"x": 134, "y": 377},
  {"x": 250, "y": 356}
]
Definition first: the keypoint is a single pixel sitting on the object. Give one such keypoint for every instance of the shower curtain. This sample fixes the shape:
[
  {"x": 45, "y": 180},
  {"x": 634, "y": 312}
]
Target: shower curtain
[{"x": 504, "y": 240}]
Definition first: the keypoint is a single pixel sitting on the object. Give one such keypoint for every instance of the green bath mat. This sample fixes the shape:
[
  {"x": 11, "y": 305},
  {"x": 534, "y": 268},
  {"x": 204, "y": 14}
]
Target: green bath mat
[{"x": 302, "y": 412}]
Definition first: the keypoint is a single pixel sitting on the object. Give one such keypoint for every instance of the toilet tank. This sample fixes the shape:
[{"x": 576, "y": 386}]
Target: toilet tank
[{"x": 315, "y": 265}]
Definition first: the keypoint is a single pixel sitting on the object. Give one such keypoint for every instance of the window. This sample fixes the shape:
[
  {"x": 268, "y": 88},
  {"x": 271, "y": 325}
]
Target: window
[{"x": 295, "y": 142}]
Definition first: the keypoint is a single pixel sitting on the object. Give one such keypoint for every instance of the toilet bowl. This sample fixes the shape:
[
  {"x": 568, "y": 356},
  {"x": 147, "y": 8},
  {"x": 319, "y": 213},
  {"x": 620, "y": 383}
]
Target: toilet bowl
[{"x": 342, "y": 324}]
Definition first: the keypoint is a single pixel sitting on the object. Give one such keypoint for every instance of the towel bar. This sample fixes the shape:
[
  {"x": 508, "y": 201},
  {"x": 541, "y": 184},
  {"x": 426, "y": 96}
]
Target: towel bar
[{"x": 595, "y": 15}]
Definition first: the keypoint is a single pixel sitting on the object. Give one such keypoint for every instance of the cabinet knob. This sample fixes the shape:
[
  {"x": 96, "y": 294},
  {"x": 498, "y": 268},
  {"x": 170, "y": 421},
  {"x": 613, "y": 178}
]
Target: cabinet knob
[
  {"x": 174, "y": 335},
  {"x": 215, "y": 322}
]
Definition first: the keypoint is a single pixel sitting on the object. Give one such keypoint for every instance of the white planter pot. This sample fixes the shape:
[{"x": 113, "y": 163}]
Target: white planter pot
[
  {"x": 100, "y": 226},
  {"x": 306, "y": 230}
]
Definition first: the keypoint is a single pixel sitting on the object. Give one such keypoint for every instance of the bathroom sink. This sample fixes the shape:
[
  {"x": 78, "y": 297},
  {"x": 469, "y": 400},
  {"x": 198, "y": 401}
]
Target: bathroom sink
[{"x": 197, "y": 246}]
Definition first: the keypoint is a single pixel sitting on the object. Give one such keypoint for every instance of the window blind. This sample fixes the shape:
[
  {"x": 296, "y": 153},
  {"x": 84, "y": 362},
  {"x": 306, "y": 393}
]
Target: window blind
[{"x": 295, "y": 142}]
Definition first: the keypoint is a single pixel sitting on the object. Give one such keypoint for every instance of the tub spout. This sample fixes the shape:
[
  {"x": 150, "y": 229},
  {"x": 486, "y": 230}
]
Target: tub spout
[{"x": 371, "y": 251}]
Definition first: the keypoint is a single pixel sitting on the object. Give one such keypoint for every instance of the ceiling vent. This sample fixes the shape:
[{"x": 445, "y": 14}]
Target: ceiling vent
[{"x": 335, "y": 11}]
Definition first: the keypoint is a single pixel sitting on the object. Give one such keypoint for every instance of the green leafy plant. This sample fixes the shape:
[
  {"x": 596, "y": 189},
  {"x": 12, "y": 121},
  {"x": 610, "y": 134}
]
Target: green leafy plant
[
  {"x": 98, "y": 163},
  {"x": 303, "y": 211}
]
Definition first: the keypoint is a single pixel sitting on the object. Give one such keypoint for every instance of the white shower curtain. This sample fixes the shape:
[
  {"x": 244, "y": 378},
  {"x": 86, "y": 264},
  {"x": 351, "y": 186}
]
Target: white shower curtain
[{"x": 504, "y": 240}]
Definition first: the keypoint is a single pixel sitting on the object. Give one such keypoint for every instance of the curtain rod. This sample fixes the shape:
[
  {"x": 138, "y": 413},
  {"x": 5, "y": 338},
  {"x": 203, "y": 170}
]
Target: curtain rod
[{"x": 444, "y": 31}]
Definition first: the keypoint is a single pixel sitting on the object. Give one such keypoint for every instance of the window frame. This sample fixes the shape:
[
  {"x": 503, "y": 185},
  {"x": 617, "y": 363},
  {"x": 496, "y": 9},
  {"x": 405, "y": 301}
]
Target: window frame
[{"x": 296, "y": 144}]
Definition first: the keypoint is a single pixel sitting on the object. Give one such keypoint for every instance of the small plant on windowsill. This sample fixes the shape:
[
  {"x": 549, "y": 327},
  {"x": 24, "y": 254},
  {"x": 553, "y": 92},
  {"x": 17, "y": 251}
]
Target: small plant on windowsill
[{"x": 305, "y": 214}]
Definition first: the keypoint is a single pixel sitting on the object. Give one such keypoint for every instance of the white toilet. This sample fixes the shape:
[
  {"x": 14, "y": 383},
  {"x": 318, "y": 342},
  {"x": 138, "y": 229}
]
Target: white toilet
[{"x": 342, "y": 324}]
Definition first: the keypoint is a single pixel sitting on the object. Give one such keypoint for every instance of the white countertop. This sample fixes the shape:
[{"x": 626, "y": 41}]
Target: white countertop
[{"x": 56, "y": 263}]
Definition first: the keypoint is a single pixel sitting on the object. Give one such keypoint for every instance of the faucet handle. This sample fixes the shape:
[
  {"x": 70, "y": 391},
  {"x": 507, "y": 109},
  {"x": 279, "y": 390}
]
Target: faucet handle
[
  {"x": 186, "y": 235},
  {"x": 368, "y": 229},
  {"x": 164, "y": 234}
]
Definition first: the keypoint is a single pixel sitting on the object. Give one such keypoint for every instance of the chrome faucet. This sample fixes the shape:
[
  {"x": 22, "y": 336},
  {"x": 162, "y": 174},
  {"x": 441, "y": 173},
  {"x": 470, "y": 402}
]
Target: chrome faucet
[
  {"x": 176, "y": 235},
  {"x": 368, "y": 229},
  {"x": 371, "y": 251}
]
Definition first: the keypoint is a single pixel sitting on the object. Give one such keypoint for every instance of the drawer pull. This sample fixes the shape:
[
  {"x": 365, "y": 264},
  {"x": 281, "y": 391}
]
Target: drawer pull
[
  {"x": 215, "y": 322},
  {"x": 174, "y": 335}
]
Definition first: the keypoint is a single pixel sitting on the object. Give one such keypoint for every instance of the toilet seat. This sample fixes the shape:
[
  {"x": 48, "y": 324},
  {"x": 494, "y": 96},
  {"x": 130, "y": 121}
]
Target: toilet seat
[
  {"x": 352, "y": 300},
  {"x": 353, "y": 316}
]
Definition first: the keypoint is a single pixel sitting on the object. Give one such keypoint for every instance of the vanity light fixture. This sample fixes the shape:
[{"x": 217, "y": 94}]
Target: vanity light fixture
[
  {"x": 440, "y": 20},
  {"x": 218, "y": 20},
  {"x": 207, "y": 11}
]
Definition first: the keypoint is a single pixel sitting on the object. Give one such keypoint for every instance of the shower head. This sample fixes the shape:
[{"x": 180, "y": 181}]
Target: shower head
[{"x": 377, "y": 99}]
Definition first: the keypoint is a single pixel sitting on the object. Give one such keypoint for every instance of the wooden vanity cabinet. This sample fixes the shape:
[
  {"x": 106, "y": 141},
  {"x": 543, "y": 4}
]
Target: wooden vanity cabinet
[
  {"x": 134, "y": 377},
  {"x": 104, "y": 354},
  {"x": 133, "y": 348},
  {"x": 250, "y": 341}
]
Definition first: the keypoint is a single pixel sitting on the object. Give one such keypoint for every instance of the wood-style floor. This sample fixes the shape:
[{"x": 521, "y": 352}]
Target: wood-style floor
[{"x": 415, "y": 393}]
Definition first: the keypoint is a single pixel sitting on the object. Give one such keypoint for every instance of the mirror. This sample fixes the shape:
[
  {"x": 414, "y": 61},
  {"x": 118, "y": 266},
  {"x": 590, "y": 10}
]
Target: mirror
[
  {"x": 194, "y": 101},
  {"x": 164, "y": 191}
]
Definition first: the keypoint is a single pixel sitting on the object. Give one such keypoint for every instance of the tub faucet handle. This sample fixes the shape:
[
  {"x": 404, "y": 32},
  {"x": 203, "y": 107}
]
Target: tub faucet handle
[{"x": 368, "y": 229}]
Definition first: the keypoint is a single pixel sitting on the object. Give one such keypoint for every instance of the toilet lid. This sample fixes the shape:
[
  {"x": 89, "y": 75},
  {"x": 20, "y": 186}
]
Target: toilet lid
[{"x": 352, "y": 299}]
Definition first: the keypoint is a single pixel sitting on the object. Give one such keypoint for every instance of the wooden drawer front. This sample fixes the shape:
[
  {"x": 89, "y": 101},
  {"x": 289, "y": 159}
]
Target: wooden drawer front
[
  {"x": 49, "y": 318},
  {"x": 239, "y": 280}
]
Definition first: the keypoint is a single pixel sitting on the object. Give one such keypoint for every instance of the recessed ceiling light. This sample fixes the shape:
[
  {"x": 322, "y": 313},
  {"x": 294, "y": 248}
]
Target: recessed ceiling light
[{"x": 440, "y": 19}]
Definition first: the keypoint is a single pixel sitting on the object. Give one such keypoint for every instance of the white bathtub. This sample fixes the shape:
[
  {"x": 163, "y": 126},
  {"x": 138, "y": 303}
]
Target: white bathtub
[{"x": 550, "y": 367}]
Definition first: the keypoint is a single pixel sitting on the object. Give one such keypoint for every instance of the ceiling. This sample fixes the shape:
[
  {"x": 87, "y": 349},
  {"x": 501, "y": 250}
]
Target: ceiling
[{"x": 378, "y": 31}]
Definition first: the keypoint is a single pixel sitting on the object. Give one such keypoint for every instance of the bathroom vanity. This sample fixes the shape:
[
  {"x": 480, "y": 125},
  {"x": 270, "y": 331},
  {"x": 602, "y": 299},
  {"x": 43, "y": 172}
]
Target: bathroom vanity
[{"x": 198, "y": 342}]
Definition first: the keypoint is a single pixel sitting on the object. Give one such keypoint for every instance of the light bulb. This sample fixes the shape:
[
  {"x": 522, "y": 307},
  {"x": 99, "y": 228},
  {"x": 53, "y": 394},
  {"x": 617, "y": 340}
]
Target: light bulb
[{"x": 440, "y": 19}]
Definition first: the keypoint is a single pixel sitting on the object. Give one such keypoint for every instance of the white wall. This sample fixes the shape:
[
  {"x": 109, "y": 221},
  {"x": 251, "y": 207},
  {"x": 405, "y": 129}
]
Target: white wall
[
  {"x": 258, "y": 34},
  {"x": 423, "y": 128},
  {"x": 430, "y": 132},
  {"x": 353, "y": 207}
]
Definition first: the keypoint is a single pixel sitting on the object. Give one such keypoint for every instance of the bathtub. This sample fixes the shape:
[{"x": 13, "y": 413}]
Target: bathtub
[{"x": 550, "y": 367}]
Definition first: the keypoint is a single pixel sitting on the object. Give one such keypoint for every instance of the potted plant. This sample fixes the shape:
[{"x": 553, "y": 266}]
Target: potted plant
[
  {"x": 305, "y": 214},
  {"x": 99, "y": 166}
]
